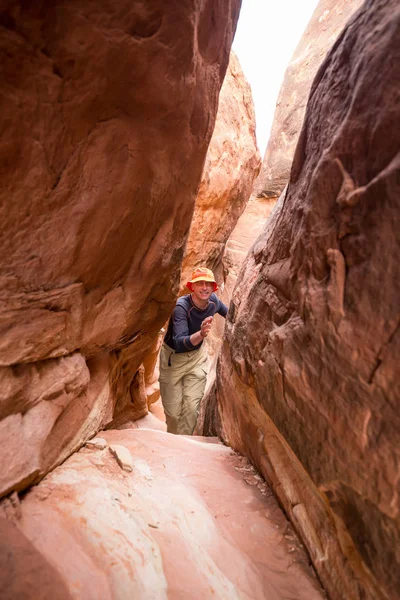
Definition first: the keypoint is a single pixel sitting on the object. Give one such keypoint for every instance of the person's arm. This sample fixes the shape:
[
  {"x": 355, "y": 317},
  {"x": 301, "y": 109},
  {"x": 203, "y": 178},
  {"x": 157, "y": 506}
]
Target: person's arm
[
  {"x": 222, "y": 309},
  {"x": 196, "y": 338},
  {"x": 183, "y": 342}
]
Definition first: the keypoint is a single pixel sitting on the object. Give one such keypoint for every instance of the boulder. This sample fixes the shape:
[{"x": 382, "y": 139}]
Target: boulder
[
  {"x": 107, "y": 112},
  {"x": 325, "y": 25},
  {"x": 307, "y": 381},
  {"x": 122, "y": 456},
  {"x": 97, "y": 443}
]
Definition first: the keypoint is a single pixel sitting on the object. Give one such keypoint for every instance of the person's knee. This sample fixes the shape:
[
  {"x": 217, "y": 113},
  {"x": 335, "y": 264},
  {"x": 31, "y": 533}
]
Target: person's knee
[
  {"x": 195, "y": 385},
  {"x": 171, "y": 398},
  {"x": 188, "y": 421},
  {"x": 191, "y": 408}
]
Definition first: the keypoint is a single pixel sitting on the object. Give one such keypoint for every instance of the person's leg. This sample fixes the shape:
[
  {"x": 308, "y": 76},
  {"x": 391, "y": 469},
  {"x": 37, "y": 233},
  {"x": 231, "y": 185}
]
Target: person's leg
[
  {"x": 171, "y": 388},
  {"x": 194, "y": 383}
]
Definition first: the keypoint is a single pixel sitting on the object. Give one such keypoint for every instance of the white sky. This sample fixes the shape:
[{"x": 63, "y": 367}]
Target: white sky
[{"x": 267, "y": 34}]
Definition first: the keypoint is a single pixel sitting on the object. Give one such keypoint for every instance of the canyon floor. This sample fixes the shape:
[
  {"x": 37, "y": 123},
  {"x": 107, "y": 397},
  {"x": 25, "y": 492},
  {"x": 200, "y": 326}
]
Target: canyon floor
[{"x": 190, "y": 518}]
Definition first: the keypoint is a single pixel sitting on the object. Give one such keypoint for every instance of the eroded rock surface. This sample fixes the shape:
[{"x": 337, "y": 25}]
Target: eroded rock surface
[
  {"x": 307, "y": 384},
  {"x": 107, "y": 112},
  {"x": 325, "y": 25},
  {"x": 192, "y": 519}
]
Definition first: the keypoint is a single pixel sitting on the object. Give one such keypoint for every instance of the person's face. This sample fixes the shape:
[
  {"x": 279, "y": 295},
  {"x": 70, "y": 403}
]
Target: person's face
[{"x": 202, "y": 290}]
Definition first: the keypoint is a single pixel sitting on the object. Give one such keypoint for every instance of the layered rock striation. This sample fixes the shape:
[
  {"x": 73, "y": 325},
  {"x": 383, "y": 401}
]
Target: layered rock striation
[
  {"x": 307, "y": 382},
  {"x": 326, "y": 23},
  {"x": 107, "y": 112}
]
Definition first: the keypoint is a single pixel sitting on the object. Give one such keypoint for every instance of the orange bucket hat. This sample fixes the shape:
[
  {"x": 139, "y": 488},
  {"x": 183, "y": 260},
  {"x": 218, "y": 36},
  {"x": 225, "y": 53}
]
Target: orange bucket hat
[{"x": 202, "y": 274}]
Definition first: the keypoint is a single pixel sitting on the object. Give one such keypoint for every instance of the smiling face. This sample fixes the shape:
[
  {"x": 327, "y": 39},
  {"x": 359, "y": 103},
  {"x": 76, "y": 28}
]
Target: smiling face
[{"x": 202, "y": 291}]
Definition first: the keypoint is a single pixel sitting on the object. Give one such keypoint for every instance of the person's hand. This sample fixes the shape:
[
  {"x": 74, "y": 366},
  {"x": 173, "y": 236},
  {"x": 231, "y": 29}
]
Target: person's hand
[{"x": 206, "y": 326}]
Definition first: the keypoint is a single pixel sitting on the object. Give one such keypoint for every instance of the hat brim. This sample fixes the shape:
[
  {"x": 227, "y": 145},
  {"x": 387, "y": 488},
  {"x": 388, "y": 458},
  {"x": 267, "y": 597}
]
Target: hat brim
[{"x": 190, "y": 283}]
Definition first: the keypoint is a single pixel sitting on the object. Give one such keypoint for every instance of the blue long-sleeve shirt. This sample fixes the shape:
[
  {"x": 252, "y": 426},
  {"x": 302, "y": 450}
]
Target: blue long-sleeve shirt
[{"x": 186, "y": 319}]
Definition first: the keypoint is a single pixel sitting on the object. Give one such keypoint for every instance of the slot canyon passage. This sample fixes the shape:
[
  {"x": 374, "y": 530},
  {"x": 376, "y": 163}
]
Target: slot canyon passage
[{"x": 128, "y": 156}]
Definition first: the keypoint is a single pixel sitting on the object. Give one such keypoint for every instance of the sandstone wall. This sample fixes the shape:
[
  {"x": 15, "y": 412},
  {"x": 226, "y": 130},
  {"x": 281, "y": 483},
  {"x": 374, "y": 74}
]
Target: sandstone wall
[
  {"x": 307, "y": 383},
  {"x": 107, "y": 109},
  {"x": 327, "y": 22}
]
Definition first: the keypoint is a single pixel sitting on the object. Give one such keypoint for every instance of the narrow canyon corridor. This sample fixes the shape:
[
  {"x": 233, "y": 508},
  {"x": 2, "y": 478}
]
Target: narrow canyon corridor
[
  {"x": 183, "y": 517},
  {"x": 128, "y": 162}
]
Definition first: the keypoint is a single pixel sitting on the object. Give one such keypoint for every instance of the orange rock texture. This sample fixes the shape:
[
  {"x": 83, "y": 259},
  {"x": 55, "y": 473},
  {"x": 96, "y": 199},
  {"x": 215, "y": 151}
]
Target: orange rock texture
[
  {"x": 232, "y": 164},
  {"x": 307, "y": 383},
  {"x": 327, "y": 22},
  {"x": 152, "y": 515},
  {"x": 107, "y": 111}
]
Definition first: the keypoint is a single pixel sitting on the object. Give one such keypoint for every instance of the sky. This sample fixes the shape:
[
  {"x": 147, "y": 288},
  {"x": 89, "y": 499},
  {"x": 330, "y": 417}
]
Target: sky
[{"x": 267, "y": 34}]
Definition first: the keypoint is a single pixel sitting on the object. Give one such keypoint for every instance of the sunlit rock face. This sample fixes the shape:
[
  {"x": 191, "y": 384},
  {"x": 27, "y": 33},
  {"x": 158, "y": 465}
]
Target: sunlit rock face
[
  {"x": 306, "y": 383},
  {"x": 146, "y": 514},
  {"x": 232, "y": 164},
  {"x": 327, "y": 22},
  {"x": 108, "y": 109}
]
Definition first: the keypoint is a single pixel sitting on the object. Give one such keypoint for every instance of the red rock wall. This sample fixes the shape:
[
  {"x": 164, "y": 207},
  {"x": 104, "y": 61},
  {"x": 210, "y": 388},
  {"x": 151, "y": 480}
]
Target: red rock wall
[
  {"x": 325, "y": 25},
  {"x": 307, "y": 383},
  {"x": 107, "y": 111}
]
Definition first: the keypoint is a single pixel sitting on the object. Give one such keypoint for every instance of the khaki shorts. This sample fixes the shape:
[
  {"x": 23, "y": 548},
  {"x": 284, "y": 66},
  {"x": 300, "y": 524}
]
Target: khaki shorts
[{"x": 183, "y": 378}]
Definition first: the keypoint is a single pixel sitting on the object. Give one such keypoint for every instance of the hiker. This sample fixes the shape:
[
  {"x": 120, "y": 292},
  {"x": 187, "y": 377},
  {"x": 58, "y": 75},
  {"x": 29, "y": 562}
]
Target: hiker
[{"x": 183, "y": 358}]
